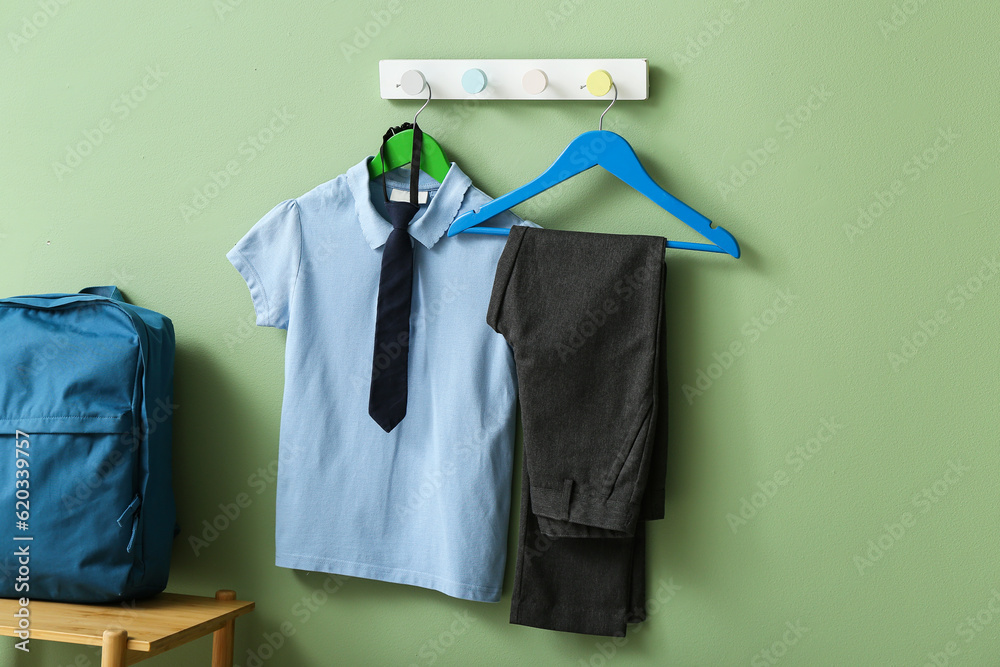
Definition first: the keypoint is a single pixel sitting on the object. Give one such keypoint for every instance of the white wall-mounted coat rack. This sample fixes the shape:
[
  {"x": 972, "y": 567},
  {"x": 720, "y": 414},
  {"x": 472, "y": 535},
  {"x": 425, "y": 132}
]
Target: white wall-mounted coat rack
[{"x": 501, "y": 79}]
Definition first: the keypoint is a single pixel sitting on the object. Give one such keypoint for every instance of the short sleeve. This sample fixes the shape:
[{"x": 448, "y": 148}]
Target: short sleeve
[{"x": 268, "y": 258}]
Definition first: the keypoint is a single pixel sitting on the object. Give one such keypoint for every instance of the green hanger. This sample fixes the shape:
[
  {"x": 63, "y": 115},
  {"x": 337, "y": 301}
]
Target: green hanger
[{"x": 399, "y": 152}]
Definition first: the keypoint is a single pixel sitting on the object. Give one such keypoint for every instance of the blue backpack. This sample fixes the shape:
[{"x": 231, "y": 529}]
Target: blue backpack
[{"x": 86, "y": 388}]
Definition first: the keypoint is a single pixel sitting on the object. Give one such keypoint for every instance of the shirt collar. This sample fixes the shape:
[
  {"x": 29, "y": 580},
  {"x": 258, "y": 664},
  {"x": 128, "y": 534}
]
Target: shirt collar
[{"x": 429, "y": 225}]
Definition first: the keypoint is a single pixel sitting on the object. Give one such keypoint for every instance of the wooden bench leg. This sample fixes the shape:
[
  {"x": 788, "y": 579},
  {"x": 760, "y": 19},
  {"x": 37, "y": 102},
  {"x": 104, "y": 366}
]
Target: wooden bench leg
[
  {"x": 222, "y": 640},
  {"x": 113, "y": 648}
]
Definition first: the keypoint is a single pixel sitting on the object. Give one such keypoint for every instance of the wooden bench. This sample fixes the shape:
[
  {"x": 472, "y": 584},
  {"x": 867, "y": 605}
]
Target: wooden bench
[{"x": 130, "y": 632}]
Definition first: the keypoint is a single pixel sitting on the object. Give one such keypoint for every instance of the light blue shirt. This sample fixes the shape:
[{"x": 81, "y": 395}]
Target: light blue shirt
[{"x": 428, "y": 503}]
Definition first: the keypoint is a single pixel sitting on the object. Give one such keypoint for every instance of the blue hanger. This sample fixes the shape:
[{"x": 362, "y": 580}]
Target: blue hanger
[{"x": 611, "y": 151}]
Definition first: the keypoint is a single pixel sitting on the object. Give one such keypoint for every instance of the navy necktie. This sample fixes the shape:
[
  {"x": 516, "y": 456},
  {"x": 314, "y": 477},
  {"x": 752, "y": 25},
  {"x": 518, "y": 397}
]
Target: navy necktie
[{"x": 387, "y": 398}]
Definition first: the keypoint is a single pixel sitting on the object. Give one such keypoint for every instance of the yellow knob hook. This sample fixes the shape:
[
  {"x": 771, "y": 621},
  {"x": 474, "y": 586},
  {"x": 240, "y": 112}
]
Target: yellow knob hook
[{"x": 599, "y": 83}]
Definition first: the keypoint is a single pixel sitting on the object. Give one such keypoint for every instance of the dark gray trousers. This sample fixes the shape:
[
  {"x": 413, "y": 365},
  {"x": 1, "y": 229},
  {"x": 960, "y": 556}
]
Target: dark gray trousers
[{"x": 584, "y": 315}]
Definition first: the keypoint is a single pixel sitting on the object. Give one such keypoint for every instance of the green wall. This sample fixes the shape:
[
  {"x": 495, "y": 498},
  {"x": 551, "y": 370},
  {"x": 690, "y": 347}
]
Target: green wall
[{"x": 825, "y": 388}]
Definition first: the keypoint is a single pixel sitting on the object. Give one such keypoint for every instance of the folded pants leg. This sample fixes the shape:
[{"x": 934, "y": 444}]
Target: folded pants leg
[
  {"x": 590, "y": 585},
  {"x": 594, "y": 422}
]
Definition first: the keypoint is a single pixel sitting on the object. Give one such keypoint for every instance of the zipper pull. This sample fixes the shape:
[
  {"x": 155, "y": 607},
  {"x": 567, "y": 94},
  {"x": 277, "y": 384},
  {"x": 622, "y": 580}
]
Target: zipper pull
[{"x": 130, "y": 511}]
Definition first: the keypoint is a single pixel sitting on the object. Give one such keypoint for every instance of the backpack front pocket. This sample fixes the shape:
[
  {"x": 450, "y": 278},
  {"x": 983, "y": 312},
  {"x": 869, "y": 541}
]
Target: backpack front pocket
[{"x": 82, "y": 502}]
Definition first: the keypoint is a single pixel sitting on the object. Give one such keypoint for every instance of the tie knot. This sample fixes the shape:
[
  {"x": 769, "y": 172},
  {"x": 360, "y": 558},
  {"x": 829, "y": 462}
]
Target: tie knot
[{"x": 400, "y": 213}]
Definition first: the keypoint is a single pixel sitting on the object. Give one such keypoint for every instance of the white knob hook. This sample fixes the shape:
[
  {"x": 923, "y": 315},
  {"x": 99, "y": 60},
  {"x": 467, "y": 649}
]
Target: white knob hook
[
  {"x": 534, "y": 82},
  {"x": 413, "y": 82}
]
